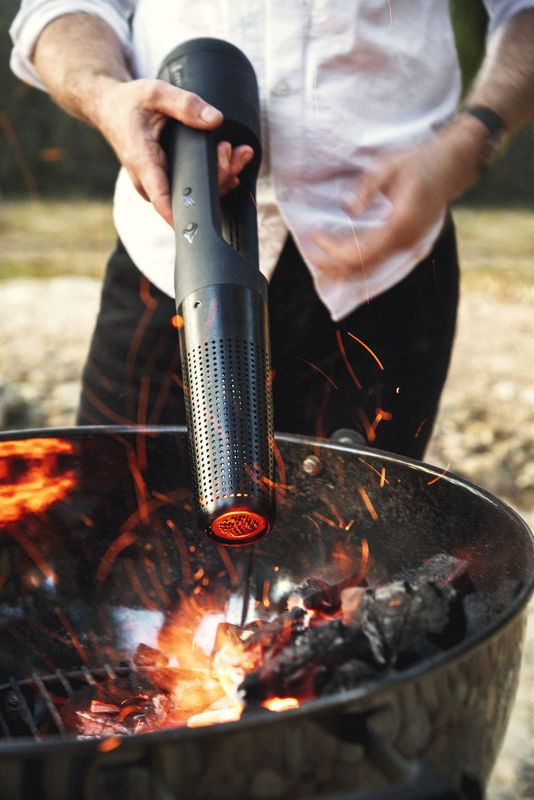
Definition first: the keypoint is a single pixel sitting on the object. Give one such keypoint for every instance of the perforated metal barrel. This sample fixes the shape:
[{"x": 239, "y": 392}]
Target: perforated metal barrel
[{"x": 226, "y": 371}]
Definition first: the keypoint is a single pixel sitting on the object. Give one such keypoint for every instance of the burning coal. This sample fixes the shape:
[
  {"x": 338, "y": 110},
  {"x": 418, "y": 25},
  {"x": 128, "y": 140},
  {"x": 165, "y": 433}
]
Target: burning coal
[{"x": 331, "y": 637}]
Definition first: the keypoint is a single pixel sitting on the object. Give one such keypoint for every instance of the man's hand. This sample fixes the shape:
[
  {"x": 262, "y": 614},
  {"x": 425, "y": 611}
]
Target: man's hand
[
  {"x": 131, "y": 117},
  {"x": 81, "y": 61},
  {"x": 419, "y": 182}
]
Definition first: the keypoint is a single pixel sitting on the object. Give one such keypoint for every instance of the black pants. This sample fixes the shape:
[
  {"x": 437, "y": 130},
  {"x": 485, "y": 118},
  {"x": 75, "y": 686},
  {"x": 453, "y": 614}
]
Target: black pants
[{"x": 380, "y": 370}]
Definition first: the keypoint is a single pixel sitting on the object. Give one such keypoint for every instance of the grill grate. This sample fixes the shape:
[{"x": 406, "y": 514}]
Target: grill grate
[{"x": 31, "y": 707}]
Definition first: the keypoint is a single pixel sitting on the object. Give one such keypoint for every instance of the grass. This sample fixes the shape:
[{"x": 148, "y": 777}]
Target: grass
[
  {"x": 75, "y": 237},
  {"x": 496, "y": 249},
  {"x": 46, "y": 239}
]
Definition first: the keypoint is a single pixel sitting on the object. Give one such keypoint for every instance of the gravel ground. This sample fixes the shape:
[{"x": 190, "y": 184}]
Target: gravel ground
[{"x": 485, "y": 428}]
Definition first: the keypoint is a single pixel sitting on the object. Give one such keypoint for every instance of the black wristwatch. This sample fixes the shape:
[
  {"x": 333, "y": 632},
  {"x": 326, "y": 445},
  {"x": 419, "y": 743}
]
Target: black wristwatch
[{"x": 496, "y": 132}]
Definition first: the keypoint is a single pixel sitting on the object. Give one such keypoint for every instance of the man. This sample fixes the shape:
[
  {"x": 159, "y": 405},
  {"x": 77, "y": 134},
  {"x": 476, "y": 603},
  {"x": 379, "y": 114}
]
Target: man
[{"x": 363, "y": 152}]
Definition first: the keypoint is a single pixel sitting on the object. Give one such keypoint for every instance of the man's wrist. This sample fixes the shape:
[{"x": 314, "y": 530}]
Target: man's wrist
[{"x": 494, "y": 129}]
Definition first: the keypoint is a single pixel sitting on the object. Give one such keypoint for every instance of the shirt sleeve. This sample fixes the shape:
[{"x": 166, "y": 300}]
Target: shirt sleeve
[
  {"x": 501, "y": 10},
  {"x": 34, "y": 15}
]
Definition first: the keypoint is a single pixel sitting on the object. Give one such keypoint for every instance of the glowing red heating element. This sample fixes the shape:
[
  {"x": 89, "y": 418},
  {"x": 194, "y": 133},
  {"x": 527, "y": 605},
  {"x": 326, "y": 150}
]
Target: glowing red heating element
[{"x": 239, "y": 526}]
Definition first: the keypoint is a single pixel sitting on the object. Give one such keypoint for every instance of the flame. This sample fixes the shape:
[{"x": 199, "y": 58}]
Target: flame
[
  {"x": 281, "y": 703},
  {"x": 31, "y": 476}
]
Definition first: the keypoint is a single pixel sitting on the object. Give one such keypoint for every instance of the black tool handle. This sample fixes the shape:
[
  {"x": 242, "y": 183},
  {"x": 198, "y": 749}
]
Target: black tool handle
[{"x": 216, "y": 239}]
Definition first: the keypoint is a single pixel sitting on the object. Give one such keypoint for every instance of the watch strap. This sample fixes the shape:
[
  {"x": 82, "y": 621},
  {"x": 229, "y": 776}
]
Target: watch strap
[
  {"x": 493, "y": 121},
  {"x": 496, "y": 132}
]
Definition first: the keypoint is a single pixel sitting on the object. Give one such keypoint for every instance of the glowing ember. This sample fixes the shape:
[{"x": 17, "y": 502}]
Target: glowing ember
[
  {"x": 32, "y": 477},
  {"x": 281, "y": 703}
]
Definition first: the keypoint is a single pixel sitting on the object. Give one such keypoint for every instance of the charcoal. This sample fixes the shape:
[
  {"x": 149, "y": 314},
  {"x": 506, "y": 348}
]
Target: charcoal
[
  {"x": 120, "y": 706},
  {"x": 325, "y": 598},
  {"x": 353, "y": 673},
  {"x": 303, "y": 667},
  {"x": 399, "y": 620},
  {"x": 481, "y": 608},
  {"x": 441, "y": 569},
  {"x": 146, "y": 656},
  {"x": 152, "y": 665},
  {"x": 351, "y": 600},
  {"x": 281, "y": 631}
]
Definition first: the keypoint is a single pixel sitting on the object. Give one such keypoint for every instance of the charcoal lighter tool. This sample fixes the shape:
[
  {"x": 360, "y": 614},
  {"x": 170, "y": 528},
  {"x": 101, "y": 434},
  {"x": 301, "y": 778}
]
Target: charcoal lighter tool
[{"x": 221, "y": 298}]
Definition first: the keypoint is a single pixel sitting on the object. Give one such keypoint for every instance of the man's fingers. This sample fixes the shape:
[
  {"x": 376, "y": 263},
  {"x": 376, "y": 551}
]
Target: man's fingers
[
  {"x": 187, "y": 107},
  {"x": 152, "y": 185},
  {"x": 230, "y": 163}
]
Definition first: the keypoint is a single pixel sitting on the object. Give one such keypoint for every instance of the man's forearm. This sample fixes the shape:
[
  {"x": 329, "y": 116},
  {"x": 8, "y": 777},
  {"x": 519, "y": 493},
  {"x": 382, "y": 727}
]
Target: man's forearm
[
  {"x": 505, "y": 82},
  {"x": 82, "y": 63},
  {"x": 78, "y": 57}
]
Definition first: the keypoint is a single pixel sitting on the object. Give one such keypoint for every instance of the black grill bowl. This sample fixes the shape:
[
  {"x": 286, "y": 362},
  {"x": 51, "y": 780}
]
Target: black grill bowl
[{"x": 87, "y": 577}]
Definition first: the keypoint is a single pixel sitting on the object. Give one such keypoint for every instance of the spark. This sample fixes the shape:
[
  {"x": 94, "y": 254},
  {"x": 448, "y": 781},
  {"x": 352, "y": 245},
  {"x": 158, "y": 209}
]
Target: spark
[
  {"x": 35, "y": 555},
  {"x": 100, "y": 406},
  {"x": 177, "y": 321},
  {"x": 313, "y": 366},
  {"x": 370, "y": 428},
  {"x": 154, "y": 580},
  {"x": 137, "y": 585},
  {"x": 362, "y": 263},
  {"x": 325, "y": 519},
  {"x": 230, "y": 569},
  {"x": 452, "y": 575},
  {"x": 381, "y": 474},
  {"x": 420, "y": 428},
  {"x": 20, "y": 158},
  {"x": 72, "y": 636},
  {"x": 364, "y": 563},
  {"x": 51, "y": 154},
  {"x": 437, "y": 478},
  {"x": 307, "y": 516},
  {"x": 121, "y": 543},
  {"x": 369, "y": 506},
  {"x": 346, "y": 360},
  {"x": 253, "y": 201},
  {"x": 135, "y": 344},
  {"x": 141, "y": 420},
  {"x": 368, "y": 349},
  {"x": 265, "y": 596},
  {"x": 144, "y": 292}
]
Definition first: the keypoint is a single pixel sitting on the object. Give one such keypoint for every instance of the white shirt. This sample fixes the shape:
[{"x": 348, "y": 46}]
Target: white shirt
[{"x": 339, "y": 81}]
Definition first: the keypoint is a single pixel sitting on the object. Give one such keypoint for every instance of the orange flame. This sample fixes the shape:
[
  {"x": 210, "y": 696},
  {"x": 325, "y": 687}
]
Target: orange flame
[{"x": 31, "y": 477}]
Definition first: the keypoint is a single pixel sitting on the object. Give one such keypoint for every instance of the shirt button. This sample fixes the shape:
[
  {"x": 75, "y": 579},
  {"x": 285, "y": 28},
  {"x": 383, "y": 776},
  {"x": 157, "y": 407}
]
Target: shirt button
[{"x": 282, "y": 89}]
